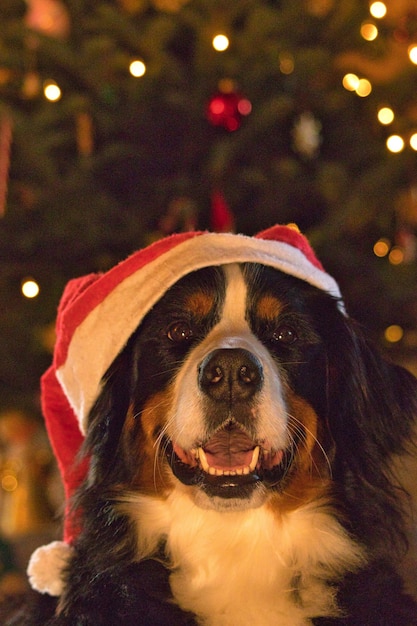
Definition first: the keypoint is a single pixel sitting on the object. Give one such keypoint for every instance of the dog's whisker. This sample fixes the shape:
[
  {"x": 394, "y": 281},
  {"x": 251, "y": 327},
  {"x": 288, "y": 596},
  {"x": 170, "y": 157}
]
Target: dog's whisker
[{"x": 301, "y": 428}]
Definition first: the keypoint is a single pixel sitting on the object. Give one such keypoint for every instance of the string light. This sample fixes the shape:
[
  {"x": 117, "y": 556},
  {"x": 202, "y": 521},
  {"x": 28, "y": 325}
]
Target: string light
[
  {"x": 412, "y": 53},
  {"x": 396, "y": 256},
  {"x": 220, "y": 43},
  {"x": 286, "y": 63},
  {"x": 364, "y": 88},
  {"x": 382, "y": 247},
  {"x": 244, "y": 106},
  {"x": 9, "y": 482},
  {"x": 361, "y": 86},
  {"x": 350, "y": 82},
  {"x": 369, "y": 31},
  {"x": 137, "y": 68},
  {"x": 385, "y": 115},
  {"x": 395, "y": 143},
  {"x": 51, "y": 91},
  {"x": 378, "y": 10},
  {"x": 30, "y": 288},
  {"x": 413, "y": 141},
  {"x": 394, "y": 333}
]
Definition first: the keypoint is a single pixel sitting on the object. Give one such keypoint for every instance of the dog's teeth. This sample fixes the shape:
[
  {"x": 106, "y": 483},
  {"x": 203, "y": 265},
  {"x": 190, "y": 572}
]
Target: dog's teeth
[
  {"x": 254, "y": 461},
  {"x": 200, "y": 455},
  {"x": 203, "y": 460}
]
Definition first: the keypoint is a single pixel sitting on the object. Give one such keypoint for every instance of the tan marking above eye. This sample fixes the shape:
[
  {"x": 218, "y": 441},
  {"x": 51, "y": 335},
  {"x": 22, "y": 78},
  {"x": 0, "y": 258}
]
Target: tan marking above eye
[
  {"x": 268, "y": 307},
  {"x": 200, "y": 303}
]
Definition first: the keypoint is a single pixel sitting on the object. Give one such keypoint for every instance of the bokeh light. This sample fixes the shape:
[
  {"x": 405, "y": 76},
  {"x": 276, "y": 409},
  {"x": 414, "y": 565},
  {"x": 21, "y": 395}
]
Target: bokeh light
[
  {"x": 396, "y": 256},
  {"x": 413, "y": 141},
  {"x": 30, "y": 288},
  {"x": 382, "y": 247},
  {"x": 395, "y": 143},
  {"x": 385, "y": 115},
  {"x": 51, "y": 91},
  {"x": 412, "y": 53},
  {"x": 369, "y": 31},
  {"x": 350, "y": 82},
  {"x": 393, "y": 333},
  {"x": 220, "y": 43},
  {"x": 364, "y": 88},
  {"x": 378, "y": 10},
  {"x": 137, "y": 68}
]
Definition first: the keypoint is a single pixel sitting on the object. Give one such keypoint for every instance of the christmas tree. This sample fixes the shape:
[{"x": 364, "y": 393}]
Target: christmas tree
[{"x": 124, "y": 120}]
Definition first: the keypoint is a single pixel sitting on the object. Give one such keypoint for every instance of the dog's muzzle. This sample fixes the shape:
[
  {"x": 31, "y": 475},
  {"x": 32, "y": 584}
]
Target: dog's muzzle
[{"x": 231, "y": 461}]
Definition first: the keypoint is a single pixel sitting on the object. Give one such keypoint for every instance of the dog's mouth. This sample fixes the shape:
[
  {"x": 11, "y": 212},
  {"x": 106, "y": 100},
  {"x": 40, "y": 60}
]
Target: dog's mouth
[{"x": 230, "y": 463}]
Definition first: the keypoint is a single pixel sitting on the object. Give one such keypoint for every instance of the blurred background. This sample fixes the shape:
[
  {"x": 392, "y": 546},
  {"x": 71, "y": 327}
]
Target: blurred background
[{"x": 122, "y": 121}]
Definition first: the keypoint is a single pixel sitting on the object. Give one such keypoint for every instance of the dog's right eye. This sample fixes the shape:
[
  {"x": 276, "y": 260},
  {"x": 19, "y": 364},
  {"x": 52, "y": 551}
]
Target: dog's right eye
[{"x": 179, "y": 332}]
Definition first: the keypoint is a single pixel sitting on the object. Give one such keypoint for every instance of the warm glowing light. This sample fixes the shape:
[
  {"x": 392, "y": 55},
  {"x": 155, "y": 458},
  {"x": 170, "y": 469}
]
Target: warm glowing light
[
  {"x": 286, "y": 63},
  {"x": 137, "y": 68},
  {"x": 30, "y": 288},
  {"x": 385, "y": 115},
  {"x": 381, "y": 248},
  {"x": 220, "y": 43},
  {"x": 396, "y": 256},
  {"x": 350, "y": 82},
  {"x": 9, "y": 482},
  {"x": 369, "y": 31},
  {"x": 244, "y": 106},
  {"x": 51, "y": 91},
  {"x": 412, "y": 53},
  {"x": 364, "y": 88},
  {"x": 395, "y": 143},
  {"x": 378, "y": 10},
  {"x": 413, "y": 141},
  {"x": 393, "y": 333},
  {"x": 227, "y": 85}
]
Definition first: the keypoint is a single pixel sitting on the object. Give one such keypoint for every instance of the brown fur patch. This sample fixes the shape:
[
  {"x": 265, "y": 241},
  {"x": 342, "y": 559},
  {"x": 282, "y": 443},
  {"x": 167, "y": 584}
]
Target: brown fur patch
[
  {"x": 142, "y": 451},
  {"x": 200, "y": 303},
  {"x": 268, "y": 307},
  {"x": 311, "y": 474}
]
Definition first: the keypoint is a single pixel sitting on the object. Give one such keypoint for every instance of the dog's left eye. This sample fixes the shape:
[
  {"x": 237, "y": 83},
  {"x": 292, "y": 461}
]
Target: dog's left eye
[
  {"x": 179, "y": 332},
  {"x": 285, "y": 334}
]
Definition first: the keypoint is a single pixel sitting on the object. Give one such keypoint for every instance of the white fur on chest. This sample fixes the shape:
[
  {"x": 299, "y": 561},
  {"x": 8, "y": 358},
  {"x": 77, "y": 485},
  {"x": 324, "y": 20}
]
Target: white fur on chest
[{"x": 247, "y": 568}]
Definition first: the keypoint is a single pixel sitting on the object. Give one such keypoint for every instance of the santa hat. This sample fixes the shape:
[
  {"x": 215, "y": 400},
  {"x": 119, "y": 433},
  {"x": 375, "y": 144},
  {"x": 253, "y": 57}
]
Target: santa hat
[{"x": 97, "y": 315}]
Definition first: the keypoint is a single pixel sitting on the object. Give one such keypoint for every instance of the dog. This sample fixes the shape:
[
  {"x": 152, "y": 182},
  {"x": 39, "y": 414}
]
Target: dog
[{"x": 240, "y": 466}]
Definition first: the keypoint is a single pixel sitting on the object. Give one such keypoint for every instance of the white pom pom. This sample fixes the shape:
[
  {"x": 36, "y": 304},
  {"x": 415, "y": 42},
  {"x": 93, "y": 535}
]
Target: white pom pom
[{"x": 46, "y": 565}]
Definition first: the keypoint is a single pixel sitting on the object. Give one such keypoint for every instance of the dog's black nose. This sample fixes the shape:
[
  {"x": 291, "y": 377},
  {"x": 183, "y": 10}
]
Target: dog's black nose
[{"x": 230, "y": 375}]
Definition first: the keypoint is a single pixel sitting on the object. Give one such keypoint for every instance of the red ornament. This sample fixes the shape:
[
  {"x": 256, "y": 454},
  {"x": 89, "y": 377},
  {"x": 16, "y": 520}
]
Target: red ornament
[
  {"x": 6, "y": 131},
  {"x": 221, "y": 218},
  {"x": 226, "y": 109}
]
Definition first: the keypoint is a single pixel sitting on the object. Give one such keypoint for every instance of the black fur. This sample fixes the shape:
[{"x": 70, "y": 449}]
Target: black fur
[{"x": 367, "y": 408}]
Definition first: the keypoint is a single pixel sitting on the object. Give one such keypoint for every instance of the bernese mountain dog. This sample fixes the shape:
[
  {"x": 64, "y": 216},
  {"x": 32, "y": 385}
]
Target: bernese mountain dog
[{"x": 240, "y": 466}]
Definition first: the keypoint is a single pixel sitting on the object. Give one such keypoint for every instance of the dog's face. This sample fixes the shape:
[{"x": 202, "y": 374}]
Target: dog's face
[{"x": 228, "y": 385}]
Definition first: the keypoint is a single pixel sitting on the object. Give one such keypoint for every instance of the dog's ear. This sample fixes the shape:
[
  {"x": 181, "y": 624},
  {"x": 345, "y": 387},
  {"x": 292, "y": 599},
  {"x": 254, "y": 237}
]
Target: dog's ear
[
  {"x": 107, "y": 417},
  {"x": 372, "y": 411},
  {"x": 375, "y": 398}
]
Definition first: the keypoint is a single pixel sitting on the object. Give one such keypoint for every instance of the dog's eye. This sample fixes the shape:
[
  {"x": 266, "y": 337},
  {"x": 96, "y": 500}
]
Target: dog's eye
[
  {"x": 285, "y": 334},
  {"x": 179, "y": 331}
]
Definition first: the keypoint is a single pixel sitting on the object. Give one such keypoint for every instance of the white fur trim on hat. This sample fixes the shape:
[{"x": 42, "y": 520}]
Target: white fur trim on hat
[
  {"x": 105, "y": 330},
  {"x": 46, "y": 566}
]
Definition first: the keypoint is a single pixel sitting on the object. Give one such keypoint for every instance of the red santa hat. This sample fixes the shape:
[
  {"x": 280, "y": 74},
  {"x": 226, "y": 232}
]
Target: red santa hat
[{"x": 97, "y": 315}]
